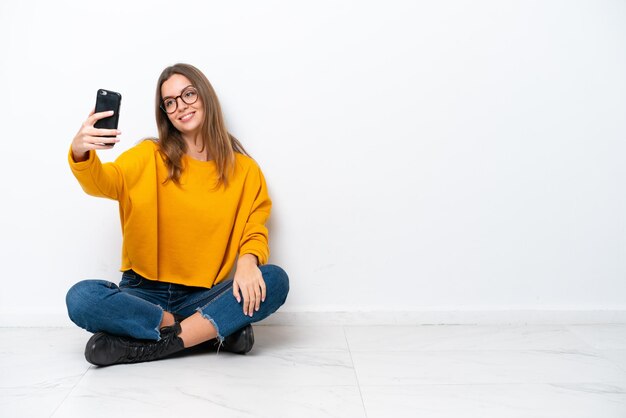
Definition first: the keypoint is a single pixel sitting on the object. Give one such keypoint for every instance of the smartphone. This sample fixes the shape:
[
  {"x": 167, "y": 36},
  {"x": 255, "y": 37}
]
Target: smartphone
[{"x": 108, "y": 100}]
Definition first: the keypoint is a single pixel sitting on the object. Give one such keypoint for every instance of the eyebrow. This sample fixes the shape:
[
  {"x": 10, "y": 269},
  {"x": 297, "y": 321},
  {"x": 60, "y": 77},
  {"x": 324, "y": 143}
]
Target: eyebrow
[{"x": 184, "y": 88}]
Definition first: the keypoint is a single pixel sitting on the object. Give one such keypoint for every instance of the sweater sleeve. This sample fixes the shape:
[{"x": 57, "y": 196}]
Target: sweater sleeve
[
  {"x": 110, "y": 179},
  {"x": 255, "y": 234},
  {"x": 97, "y": 179}
]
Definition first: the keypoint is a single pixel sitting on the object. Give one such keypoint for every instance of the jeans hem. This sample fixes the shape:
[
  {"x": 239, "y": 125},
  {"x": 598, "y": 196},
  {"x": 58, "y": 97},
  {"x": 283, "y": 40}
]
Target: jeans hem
[
  {"x": 217, "y": 329},
  {"x": 157, "y": 329}
]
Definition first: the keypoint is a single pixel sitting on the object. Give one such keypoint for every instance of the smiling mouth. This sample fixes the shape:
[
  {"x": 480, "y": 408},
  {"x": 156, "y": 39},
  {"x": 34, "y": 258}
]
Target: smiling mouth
[{"x": 186, "y": 117}]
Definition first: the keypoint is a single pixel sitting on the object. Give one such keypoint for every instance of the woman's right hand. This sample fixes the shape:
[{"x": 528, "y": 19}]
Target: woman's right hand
[{"x": 89, "y": 138}]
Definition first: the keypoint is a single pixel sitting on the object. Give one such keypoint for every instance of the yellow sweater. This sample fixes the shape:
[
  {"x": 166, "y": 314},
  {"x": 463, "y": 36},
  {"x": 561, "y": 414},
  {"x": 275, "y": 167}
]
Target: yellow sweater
[{"x": 189, "y": 233}]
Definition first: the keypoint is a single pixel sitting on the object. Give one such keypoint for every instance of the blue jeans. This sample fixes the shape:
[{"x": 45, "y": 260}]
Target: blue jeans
[{"x": 135, "y": 307}]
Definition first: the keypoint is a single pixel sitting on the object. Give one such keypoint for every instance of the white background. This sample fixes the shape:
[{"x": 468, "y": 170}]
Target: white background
[{"x": 422, "y": 156}]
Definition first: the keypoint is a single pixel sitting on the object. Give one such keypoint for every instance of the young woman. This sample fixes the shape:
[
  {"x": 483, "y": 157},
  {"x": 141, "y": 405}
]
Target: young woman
[{"x": 193, "y": 206}]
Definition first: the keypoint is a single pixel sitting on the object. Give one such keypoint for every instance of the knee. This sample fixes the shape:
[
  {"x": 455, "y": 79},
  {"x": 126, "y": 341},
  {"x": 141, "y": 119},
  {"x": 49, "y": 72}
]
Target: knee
[
  {"x": 276, "y": 281},
  {"x": 82, "y": 296}
]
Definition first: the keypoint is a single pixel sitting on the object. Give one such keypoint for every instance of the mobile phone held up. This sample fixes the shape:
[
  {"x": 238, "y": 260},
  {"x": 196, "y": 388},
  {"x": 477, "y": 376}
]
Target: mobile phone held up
[{"x": 108, "y": 100}]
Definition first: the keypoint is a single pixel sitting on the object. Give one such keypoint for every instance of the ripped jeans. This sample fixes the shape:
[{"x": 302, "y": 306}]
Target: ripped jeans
[{"x": 135, "y": 307}]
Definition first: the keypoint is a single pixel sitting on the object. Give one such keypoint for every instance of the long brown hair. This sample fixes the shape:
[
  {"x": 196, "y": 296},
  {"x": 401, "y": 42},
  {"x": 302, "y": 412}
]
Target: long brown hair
[{"x": 219, "y": 143}]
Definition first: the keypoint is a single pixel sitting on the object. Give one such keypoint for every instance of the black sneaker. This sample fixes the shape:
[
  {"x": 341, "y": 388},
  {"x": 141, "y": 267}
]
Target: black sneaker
[
  {"x": 240, "y": 341},
  {"x": 105, "y": 349}
]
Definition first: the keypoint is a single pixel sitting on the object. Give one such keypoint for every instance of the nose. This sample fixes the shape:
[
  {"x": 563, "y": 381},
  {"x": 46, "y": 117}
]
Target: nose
[{"x": 182, "y": 105}]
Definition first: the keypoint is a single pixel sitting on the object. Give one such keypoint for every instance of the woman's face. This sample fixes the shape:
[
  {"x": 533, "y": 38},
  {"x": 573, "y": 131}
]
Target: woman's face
[{"x": 187, "y": 118}]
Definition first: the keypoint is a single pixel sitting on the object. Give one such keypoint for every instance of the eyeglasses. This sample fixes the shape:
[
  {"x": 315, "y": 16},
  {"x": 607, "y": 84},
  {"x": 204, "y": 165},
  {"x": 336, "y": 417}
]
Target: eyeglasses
[{"x": 189, "y": 96}]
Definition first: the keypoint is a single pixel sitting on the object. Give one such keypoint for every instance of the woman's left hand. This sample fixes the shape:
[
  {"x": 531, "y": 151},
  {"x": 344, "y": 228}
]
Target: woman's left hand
[{"x": 249, "y": 280}]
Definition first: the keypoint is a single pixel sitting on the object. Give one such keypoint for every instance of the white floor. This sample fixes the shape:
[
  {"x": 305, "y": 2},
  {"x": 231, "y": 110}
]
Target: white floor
[{"x": 422, "y": 371}]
